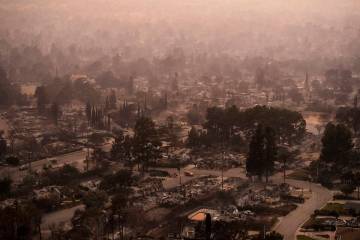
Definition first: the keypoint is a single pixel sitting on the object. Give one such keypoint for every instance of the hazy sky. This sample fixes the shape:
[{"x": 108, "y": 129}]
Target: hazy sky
[{"x": 236, "y": 26}]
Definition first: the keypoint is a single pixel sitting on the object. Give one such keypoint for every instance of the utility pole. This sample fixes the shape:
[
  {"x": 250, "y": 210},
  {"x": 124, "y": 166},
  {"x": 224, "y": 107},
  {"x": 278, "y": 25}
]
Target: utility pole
[
  {"x": 179, "y": 171},
  {"x": 284, "y": 169},
  {"x": 222, "y": 163},
  {"x": 29, "y": 159},
  {"x": 87, "y": 156},
  {"x": 222, "y": 171},
  {"x": 264, "y": 231}
]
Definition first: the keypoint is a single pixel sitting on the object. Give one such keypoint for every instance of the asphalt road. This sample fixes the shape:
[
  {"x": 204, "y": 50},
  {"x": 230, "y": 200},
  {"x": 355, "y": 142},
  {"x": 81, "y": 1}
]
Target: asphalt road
[
  {"x": 75, "y": 158},
  {"x": 60, "y": 216},
  {"x": 291, "y": 222}
]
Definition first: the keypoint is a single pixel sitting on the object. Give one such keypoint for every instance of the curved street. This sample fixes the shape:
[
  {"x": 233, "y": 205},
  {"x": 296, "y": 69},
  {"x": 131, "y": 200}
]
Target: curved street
[{"x": 291, "y": 222}]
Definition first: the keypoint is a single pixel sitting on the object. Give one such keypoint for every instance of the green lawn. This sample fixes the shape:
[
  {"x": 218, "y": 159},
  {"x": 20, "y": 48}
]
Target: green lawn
[
  {"x": 302, "y": 237},
  {"x": 315, "y": 222},
  {"x": 299, "y": 174},
  {"x": 338, "y": 207}
]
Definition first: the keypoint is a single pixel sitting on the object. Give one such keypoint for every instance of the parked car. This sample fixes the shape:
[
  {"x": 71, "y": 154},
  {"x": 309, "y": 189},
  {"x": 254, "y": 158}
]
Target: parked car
[
  {"x": 53, "y": 160},
  {"x": 23, "y": 167},
  {"x": 47, "y": 166}
]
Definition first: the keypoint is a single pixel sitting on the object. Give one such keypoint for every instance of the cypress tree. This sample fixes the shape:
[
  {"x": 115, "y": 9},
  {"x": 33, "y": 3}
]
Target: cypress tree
[
  {"x": 270, "y": 152},
  {"x": 262, "y": 152},
  {"x": 255, "y": 157},
  {"x": 88, "y": 111}
]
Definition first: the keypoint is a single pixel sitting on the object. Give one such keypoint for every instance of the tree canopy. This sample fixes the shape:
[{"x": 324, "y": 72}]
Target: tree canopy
[
  {"x": 146, "y": 142},
  {"x": 337, "y": 144},
  {"x": 262, "y": 152},
  {"x": 223, "y": 125},
  {"x": 122, "y": 148},
  {"x": 9, "y": 92},
  {"x": 349, "y": 116}
]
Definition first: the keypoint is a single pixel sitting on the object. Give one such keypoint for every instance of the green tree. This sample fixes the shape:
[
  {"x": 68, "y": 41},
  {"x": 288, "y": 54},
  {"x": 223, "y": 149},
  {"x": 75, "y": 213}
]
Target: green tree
[
  {"x": 193, "y": 138},
  {"x": 55, "y": 112},
  {"x": 95, "y": 199},
  {"x": 112, "y": 100},
  {"x": 357, "y": 183},
  {"x": 5, "y": 187},
  {"x": 223, "y": 124},
  {"x": 255, "y": 156},
  {"x": 262, "y": 152},
  {"x": 9, "y": 93},
  {"x": 20, "y": 221},
  {"x": 215, "y": 123},
  {"x": 119, "y": 203},
  {"x": 336, "y": 145},
  {"x": 3, "y": 145},
  {"x": 290, "y": 126},
  {"x": 42, "y": 98},
  {"x": 117, "y": 148},
  {"x": 146, "y": 142},
  {"x": 347, "y": 189},
  {"x": 349, "y": 117},
  {"x": 270, "y": 152},
  {"x": 98, "y": 156},
  {"x": 118, "y": 182},
  {"x": 88, "y": 112},
  {"x": 122, "y": 148}
]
